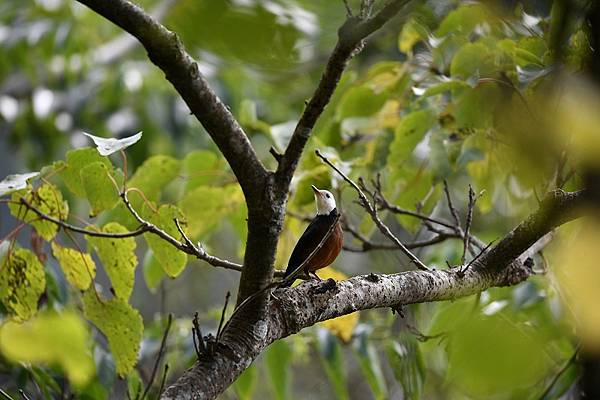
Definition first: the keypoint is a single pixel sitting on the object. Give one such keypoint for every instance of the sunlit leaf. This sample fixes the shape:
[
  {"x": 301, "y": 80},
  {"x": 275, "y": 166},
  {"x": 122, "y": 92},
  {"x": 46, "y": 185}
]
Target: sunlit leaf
[
  {"x": 578, "y": 277},
  {"x": 201, "y": 167},
  {"x": 462, "y": 20},
  {"x": 409, "y": 36},
  {"x": 473, "y": 59},
  {"x": 22, "y": 282},
  {"x": 206, "y": 206},
  {"x": 76, "y": 161},
  {"x": 121, "y": 324},
  {"x": 343, "y": 326},
  {"x": 154, "y": 174},
  {"x": 277, "y": 360},
  {"x": 409, "y": 133},
  {"x": 99, "y": 187},
  {"x": 118, "y": 258},
  {"x": 47, "y": 199},
  {"x": 78, "y": 267},
  {"x": 171, "y": 259},
  {"x": 108, "y": 146},
  {"x": 51, "y": 338},
  {"x": 15, "y": 182}
]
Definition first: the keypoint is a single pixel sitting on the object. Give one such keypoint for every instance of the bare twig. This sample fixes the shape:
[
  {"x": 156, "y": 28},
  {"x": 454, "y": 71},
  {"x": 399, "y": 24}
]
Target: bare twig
[
  {"x": 161, "y": 350},
  {"x": 5, "y": 395},
  {"x": 223, "y": 316},
  {"x": 463, "y": 270},
  {"x": 453, "y": 210},
  {"x": 142, "y": 229},
  {"x": 372, "y": 210},
  {"x": 163, "y": 380},
  {"x": 23, "y": 395},
  {"x": 197, "y": 338},
  {"x": 468, "y": 222}
]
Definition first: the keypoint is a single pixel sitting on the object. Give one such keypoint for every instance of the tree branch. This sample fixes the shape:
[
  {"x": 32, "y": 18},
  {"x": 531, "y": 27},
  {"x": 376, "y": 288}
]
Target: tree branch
[
  {"x": 294, "y": 309},
  {"x": 350, "y": 41},
  {"x": 167, "y": 52}
]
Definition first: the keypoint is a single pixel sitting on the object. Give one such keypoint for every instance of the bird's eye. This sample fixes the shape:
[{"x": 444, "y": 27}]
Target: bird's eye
[{"x": 328, "y": 196}]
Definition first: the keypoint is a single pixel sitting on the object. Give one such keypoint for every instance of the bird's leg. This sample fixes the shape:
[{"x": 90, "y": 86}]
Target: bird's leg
[{"x": 314, "y": 274}]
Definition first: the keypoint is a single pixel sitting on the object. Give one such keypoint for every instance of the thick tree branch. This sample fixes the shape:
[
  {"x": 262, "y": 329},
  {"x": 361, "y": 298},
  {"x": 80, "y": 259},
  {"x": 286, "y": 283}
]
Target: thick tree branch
[
  {"x": 350, "y": 40},
  {"x": 167, "y": 52},
  {"x": 291, "y": 310}
]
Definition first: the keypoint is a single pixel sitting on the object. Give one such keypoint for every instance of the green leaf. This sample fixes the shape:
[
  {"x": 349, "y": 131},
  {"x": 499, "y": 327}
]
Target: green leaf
[
  {"x": 277, "y": 360},
  {"x": 332, "y": 359},
  {"x": 121, "y": 324},
  {"x": 206, "y": 206},
  {"x": 153, "y": 272},
  {"x": 407, "y": 363},
  {"x": 78, "y": 267},
  {"x": 245, "y": 384},
  {"x": 514, "y": 355},
  {"x": 445, "y": 86},
  {"x": 171, "y": 259},
  {"x": 472, "y": 59},
  {"x": 370, "y": 365},
  {"x": 52, "y": 338},
  {"x": 202, "y": 167},
  {"x": 409, "y": 133},
  {"x": 476, "y": 108},
  {"x": 99, "y": 188},
  {"x": 108, "y": 146},
  {"x": 462, "y": 20},
  {"x": 76, "y": 161},
  {"x": 154, "y": 174},
  {"x": 22, "y": 282},
  {"x": 360, "y": 101},
  {"x": 15, "y": 182},
  {"x": 118, "y": 258},
  {"x": 48, "y": 199},
  {"x": 135, "y": 385}
]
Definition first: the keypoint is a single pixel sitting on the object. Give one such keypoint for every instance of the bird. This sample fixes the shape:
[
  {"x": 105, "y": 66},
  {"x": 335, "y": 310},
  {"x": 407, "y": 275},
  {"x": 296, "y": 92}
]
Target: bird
[{"x": 327, "y": 218}]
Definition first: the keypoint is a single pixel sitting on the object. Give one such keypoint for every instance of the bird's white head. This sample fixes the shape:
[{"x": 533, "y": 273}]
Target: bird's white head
[{"x": 325, "y": 201}]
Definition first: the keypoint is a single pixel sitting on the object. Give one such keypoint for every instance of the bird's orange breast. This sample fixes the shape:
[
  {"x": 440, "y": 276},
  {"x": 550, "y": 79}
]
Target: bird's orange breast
[{"x": 329, "y": 251}]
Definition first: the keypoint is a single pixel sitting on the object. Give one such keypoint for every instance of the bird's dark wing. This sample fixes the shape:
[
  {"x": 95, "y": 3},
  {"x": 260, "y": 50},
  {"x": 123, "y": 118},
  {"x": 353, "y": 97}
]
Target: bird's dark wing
[{"x": 309, "y": 241}]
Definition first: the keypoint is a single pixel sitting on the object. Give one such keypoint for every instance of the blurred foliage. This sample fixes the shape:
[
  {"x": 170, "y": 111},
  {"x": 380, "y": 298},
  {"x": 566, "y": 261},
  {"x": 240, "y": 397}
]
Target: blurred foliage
[{"x": 463, "y": 91}]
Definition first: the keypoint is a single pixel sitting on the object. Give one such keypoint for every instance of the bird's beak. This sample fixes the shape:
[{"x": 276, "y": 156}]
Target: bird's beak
[{"x": 317, "y": 191}]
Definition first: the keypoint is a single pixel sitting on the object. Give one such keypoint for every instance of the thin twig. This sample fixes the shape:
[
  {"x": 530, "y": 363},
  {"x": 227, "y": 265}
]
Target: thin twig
[
  {"x": 161, "y": 350},
  {"x": 5, "y": 395},
  {"x": 468, "y": 222},
  {"x": 462, "y": 271},
  {"x": 163, "y": 380},
  {"x": 372, "y": 210},
  {"x": 77, "y": 229},
  {"x": 453, "y": 210},
  {"x": 23, "y": 395},
  {"x": 199, "y": 345},
  {"x": 223, "y": 316},
  {"x": 562, "y": 371}
]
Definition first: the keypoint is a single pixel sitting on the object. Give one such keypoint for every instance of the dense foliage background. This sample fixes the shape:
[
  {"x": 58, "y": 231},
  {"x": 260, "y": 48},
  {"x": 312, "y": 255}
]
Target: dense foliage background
[{"x": 491, "y": 95}]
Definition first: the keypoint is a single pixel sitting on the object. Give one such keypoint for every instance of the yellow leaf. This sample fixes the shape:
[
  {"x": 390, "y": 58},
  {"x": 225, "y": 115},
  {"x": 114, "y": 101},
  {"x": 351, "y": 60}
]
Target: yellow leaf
[
  {"x": 22, "y": 282},
  {"x": 578, "y": 276},
  {"x": 118, "y": 258},
  {"x": 342, "y": 327},
  {"x": 48, "y": 199},
  {"x": 50, "y": 338},
  {"x": 78, "y": 267},
  {"x": 121, "y": 324}
]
